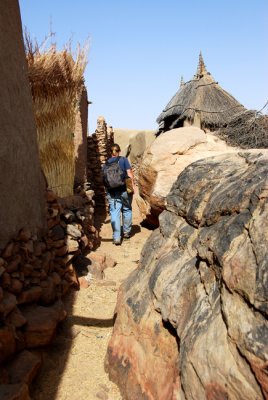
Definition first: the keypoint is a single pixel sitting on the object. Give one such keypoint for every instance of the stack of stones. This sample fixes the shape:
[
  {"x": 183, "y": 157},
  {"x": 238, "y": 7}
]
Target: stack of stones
[
  {"x": 94, "y": 170},
  {"x": 34, "y": 276},
  {"x": 99, "y": 144},
  {"x": 78, "y": 213}
]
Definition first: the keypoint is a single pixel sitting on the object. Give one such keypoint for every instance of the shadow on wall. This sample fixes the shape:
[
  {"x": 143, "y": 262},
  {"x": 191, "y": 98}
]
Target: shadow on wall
[{"x": 80, "y": 169}]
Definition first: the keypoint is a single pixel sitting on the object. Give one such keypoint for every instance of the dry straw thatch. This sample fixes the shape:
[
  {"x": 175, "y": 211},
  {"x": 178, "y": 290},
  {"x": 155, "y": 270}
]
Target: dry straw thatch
[
  {"x": 199, "y": 99},
  {"x": 247, "y": 129},
  {"x": 56, "y": 80}
]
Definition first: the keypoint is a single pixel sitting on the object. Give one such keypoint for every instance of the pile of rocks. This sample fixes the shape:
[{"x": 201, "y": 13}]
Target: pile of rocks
[
  {"x": 99, "y": 144},
  {"x": 34, "y": 275},
  {"x": 78, "y": 214}
]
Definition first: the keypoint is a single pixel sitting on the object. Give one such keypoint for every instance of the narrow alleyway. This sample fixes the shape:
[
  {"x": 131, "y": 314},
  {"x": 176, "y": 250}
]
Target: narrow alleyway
[{"x": 74, "y": 366}]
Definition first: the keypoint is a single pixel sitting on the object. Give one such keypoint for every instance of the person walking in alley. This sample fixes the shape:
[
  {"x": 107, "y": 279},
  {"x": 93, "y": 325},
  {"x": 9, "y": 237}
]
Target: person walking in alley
[{"x": 119, "y": 183}]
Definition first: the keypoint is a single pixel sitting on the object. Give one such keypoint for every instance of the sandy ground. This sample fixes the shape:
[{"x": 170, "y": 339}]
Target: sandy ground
[{"x": 73, "y": 368}]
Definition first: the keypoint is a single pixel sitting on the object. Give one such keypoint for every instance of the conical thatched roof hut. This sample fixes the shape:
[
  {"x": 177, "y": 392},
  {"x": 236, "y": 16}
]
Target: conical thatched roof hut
[
  {"x": 56, "y": 81},
  {"x": 200, "y": 102}
]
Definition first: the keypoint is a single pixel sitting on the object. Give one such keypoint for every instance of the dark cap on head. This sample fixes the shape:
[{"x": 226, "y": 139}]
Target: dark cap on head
[{"x": 115, "y": 148}]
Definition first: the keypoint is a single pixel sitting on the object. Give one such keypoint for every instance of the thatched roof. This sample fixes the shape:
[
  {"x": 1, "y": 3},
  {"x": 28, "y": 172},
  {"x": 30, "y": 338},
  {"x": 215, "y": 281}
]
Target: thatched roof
[
  {"x": 203, "y": 97},
  {"x": 247, "y": 129}
]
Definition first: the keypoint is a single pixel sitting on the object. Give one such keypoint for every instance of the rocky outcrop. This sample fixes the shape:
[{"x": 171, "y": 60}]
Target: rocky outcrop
[
  {"x": 192, "y": 319},
  {"x": 165, "y": 159},
  {"x": 137, "y": 146},
  {"x": 133, "y": 144}
]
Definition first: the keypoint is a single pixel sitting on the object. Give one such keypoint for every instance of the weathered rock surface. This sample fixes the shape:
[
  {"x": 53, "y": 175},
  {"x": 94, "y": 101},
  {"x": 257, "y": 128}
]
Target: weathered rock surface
[
  {"x": 192, "y": 319},
  {"x": 133, "y": 142},
  {"x": 92, "y": 266},
  {"x": 133, "y": 145},
  {"x": 165, "y": 159}
]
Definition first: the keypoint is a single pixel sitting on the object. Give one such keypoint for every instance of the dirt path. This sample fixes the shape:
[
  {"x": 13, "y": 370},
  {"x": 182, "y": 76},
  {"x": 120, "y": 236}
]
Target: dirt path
[{"x": 74, "y": 366}]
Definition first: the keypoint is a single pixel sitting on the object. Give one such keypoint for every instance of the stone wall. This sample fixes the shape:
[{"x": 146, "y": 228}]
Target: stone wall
[
  {"x": 35, "y": 274},
  {"x": 22, "y": 184},
  {"x": 99, "y": 144}
]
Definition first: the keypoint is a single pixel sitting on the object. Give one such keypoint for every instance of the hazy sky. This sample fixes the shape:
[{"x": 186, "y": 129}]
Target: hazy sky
[{"x": 139, "y": 49}]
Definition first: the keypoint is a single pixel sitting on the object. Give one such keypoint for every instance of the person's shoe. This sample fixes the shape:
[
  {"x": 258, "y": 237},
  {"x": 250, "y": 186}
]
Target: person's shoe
[
  {"x": 126, "y": 235},
  {"x": 117, "y": 242}
]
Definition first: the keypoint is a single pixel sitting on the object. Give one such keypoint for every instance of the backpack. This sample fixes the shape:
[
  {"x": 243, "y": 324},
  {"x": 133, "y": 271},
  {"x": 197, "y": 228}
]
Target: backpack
[{"x": 113, "y": 174}]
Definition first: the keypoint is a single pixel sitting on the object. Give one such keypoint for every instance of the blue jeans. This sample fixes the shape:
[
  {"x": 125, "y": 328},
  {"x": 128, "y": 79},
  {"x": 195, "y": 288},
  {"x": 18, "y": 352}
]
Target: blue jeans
[{"x": 120, "y": 203}]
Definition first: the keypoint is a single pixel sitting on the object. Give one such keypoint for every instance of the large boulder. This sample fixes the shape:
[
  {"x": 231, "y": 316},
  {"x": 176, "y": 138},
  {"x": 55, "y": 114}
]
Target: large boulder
[
  {"x": 192, "y": 319},
  {"x": 133, "y": 142},
  {"x": 165, "y": 159}
]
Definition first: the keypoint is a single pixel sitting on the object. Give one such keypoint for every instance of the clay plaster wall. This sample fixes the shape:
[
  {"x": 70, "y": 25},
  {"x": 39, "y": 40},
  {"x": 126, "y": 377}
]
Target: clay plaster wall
[{"x": 21, "y": 182}]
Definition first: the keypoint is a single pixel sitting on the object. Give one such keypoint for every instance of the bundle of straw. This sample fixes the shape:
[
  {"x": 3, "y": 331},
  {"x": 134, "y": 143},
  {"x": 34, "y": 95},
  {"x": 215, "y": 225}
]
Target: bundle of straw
[{"x": 56, "y": 80}]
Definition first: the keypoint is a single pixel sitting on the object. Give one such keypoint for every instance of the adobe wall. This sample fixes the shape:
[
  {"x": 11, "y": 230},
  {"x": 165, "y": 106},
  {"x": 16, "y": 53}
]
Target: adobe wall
[
  {"x": 21, "y": 185},
  {"x": 80, "y": 140}
]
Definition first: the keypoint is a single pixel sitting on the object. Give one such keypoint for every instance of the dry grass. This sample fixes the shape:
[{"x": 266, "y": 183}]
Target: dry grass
[
  {"x": 56, "y": 80},
  {"x": 247, "y": 129}
]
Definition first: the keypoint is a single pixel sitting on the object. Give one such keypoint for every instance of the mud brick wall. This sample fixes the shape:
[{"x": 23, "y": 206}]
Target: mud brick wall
[
  {"x": 80, "y": 139},
  {"x": 19, "y": 151}
]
